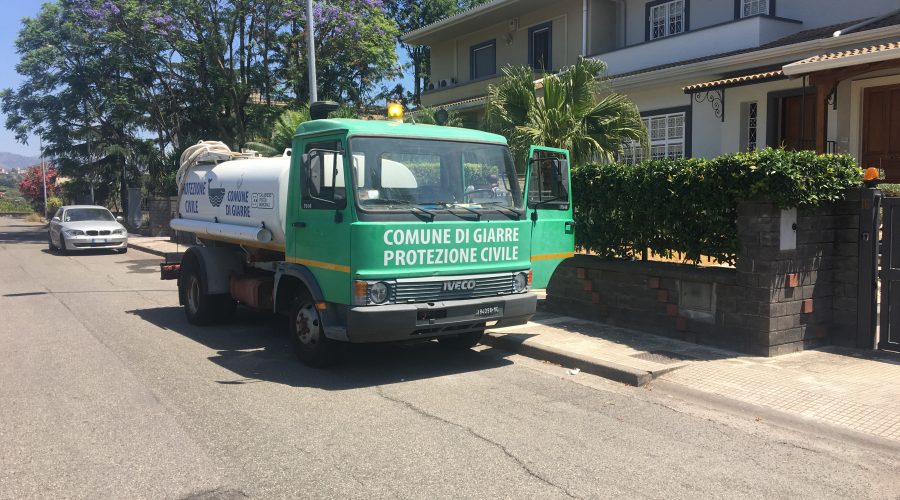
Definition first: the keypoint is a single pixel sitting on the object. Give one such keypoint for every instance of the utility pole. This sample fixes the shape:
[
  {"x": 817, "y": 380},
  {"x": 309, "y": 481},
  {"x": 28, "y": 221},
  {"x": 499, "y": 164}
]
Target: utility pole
[
  {"x": 43, "y": 174},
  {"x": 311, "y": 51}
]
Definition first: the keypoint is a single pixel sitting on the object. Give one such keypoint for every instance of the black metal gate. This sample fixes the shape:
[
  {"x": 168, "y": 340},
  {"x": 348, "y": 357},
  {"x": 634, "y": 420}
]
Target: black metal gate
[{"x": 889, "y": 334}]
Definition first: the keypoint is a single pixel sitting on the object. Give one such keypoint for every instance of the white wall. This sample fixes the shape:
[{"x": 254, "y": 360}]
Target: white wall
[
  {"x": 812, "y": 13},
  {"x": 817, "y": 13}
]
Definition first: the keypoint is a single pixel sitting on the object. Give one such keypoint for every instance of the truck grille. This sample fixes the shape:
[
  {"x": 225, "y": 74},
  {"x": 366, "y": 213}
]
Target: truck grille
[{"x": 432, "y": 289}]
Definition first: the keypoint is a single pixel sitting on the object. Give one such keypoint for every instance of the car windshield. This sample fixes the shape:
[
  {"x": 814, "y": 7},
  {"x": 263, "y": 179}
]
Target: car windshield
[
  {"x": 397, "y": 173},
  {"x": 87, "y": 214}
]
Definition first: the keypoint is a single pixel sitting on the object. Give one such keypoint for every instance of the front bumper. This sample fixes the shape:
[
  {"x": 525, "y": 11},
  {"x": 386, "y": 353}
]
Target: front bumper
[
  {"x": 434, "y": 319},
  {"x": 75, "y": 243}
]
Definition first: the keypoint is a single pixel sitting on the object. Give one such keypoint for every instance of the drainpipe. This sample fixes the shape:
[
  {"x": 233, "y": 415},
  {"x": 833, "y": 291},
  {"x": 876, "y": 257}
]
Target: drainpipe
[{"x": 584, "y": 27}]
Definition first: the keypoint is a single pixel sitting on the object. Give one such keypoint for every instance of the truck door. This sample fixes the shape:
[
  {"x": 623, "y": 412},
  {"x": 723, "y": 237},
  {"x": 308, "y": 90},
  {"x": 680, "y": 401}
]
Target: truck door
[
  {"x": 320, "y": 230},
  {"x": 549, "y": 207}
]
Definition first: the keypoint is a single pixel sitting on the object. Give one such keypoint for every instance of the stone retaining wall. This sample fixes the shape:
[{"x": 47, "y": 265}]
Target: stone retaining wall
[{"x": 792, "y": 288}]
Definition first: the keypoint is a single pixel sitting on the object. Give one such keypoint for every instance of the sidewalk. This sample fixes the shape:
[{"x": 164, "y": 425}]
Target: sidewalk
[
  {"x": 850, "y": 388},
  {"x": 156, "y": 245}
]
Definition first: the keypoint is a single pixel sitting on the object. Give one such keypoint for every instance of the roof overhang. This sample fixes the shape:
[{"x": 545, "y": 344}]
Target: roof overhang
[
  {"x": 834, "y": 60},
  {"x": 757, "y": 57},
  {"x": 736, "y": 81}
]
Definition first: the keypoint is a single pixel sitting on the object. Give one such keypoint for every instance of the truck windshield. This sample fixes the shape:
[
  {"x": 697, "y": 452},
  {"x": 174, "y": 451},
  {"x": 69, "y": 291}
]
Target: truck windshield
[{"x": 396, "y": 173}]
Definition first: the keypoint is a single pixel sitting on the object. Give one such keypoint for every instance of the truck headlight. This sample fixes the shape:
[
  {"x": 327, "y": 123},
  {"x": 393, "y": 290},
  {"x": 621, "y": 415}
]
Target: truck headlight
[
  {"x": 379, "y": 292},
  {"x": 520, "y": 282},
  {"x": 74, "y": 232}
]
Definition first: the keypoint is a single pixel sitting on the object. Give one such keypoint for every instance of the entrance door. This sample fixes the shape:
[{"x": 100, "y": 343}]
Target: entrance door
[
  {"x": 549, "y": 207},
  {"x": 881, "y": 130},
  {"x": 889, "y": 329},
  {"x": 798, "y": 122}
]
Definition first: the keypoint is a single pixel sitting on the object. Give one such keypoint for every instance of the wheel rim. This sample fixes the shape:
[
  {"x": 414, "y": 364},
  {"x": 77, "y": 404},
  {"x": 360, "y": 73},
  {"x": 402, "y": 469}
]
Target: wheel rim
[
  {"x": 307, "y": 324},
  {"x": 193, "y": 295}
]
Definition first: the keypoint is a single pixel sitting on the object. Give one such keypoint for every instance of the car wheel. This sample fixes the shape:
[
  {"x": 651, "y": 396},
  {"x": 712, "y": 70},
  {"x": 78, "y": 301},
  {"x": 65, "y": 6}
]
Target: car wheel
[
  {"x": 123, "y": 250},
  {"x": 461, "y": 341},
  {"x": 62, "y": 244},
  {"x": 50, "y": 244},
  {"x": 308, "y": 338}
]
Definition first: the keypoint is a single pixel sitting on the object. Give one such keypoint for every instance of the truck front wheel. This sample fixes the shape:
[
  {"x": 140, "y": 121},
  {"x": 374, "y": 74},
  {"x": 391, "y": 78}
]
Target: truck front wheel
[{"x": 308, "y": 338}]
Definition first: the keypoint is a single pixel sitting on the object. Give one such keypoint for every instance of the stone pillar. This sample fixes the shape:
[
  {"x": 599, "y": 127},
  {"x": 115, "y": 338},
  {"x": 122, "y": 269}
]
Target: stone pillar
[{"x": 162, "y": 209}]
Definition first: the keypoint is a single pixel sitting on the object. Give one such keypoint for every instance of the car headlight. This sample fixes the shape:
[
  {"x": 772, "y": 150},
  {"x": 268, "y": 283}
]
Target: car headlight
[
  {"x": 74, "y": 232},
  {"x": 379, "y": 292},
  {"x": 118, "y": 231},
  {"x": 520, "y": 282}
]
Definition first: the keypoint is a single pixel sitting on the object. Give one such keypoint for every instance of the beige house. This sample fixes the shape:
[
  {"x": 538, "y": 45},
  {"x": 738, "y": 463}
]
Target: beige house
[{"x": 709, "y": 76}]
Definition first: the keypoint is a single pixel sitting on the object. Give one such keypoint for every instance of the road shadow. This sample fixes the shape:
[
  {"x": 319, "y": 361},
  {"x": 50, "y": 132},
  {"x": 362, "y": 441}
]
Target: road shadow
[
  {"x": 143, "y": 266},
  {"x": 23, "y": 233},
  {"x": 255, "y": 347}
]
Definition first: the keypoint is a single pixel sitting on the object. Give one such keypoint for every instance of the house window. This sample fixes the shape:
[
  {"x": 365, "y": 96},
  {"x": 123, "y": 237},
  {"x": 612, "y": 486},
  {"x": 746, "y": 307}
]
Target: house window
[
  {"x": 539, "y": 40},
  {"x": 666, "y": 139},
  {"x": 483, "y": 60},
  {"x": 751, "y": 126},
  {"x": 667, "y": 19},
  {"x": 754, "y": 7}
]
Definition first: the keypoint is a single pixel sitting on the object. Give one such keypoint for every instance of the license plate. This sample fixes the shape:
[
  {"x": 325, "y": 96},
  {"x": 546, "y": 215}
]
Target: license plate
[
  {"x": 488, "y": 311},
  {"x": 98, "y": 240}
]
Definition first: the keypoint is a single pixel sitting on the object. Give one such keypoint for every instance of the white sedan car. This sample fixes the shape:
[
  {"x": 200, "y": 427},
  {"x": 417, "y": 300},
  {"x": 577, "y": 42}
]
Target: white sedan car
[{"x": 86, "y": 227}]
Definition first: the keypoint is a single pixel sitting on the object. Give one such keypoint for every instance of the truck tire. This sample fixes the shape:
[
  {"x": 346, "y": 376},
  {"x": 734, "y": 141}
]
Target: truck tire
[
  {"x": 202, "y": 308},
  {"x": 307, "y": 333},
  {"x": 461, "y": 341}
]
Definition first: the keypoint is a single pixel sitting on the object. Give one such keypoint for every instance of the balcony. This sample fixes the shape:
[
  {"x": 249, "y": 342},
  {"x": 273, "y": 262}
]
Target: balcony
[
  {"x": 747, "y": 33},
  {"x": 457, "y": 92}
]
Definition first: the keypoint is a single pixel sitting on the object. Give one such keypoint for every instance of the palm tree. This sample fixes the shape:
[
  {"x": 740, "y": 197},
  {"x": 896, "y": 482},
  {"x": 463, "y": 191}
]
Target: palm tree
[{"x": 576, "y": 111}]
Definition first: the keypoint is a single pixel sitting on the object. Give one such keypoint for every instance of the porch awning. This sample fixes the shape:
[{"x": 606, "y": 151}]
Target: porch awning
[
  {"x": 735, "y": 81},
  {"x": 834, "y": 60},
  {"x": 714, "y": 91}
]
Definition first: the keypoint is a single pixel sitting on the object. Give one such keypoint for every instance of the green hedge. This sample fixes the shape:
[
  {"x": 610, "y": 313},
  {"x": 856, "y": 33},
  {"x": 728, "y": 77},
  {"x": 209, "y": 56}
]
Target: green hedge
[{"x": 690, "y": 205}]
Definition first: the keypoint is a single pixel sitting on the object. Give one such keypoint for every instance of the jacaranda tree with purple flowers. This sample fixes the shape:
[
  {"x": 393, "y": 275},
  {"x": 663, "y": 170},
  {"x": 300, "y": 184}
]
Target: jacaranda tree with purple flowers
[{"x": 115, "y": 86}]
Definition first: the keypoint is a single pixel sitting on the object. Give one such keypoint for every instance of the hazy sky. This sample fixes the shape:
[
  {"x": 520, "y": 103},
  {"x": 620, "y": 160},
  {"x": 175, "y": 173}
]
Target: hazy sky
[{"x": 10, "y": 23}]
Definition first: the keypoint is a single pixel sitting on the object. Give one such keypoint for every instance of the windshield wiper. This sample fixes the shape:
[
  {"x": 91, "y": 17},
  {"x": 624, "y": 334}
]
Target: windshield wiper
[
  {"x": 391, "y": 201},
  {"x": 448, "y": 205},
  {"x": 502, "y": 209}
]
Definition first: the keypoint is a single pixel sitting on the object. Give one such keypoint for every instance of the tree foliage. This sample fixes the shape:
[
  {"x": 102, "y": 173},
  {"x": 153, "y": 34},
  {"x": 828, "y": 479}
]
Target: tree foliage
[
  {"x": 571, "y": 110},
  {"x": 118, "y": 88},
  {"x": 32, "y": 188}
]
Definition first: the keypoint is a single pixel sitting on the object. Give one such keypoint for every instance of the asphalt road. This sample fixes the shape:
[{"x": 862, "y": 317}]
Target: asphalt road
[{"x": 107, "y": 392}]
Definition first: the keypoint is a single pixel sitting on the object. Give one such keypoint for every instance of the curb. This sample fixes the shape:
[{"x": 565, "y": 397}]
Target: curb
[
  {"x": 595, "y": 366},
  {"x": 153, "y": 251},
  {"x": 145, "y": 249}
]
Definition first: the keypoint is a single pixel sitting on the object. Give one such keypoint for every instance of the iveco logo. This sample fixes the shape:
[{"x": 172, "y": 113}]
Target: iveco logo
[{"x": 451, "y": 286}]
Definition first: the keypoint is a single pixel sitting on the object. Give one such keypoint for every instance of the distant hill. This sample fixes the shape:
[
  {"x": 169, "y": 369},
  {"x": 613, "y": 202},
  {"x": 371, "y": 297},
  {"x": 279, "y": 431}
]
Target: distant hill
[{"x": 12, "y": 160}]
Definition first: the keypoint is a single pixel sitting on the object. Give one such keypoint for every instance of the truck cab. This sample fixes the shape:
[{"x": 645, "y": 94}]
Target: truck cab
[{"x": 396, "y": 231}]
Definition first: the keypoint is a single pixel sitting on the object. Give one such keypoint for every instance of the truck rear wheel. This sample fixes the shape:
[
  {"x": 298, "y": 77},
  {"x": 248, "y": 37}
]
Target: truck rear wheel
[
  {"x": 202, "y": 308},
  {"x": 461, "y": 341},
  {"x": 308, "y": 338}
]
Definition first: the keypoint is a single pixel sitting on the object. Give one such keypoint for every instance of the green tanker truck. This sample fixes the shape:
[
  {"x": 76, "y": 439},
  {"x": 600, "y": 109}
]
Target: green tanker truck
[{"x": 372, "y": 231}]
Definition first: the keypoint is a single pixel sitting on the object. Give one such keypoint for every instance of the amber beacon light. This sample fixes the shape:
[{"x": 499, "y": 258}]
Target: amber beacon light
[{"x": 395, "y": 111}]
